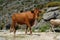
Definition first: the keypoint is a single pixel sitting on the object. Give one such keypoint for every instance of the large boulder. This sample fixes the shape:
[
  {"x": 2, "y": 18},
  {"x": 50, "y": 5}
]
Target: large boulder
[
  {"x": 50, "y": 14},
  {"x": 52, "y": 9},
  {"x": 40, "y": 24}
]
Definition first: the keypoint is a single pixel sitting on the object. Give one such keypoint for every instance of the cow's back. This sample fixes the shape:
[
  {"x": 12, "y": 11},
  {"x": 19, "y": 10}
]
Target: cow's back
[{"x": 21, "y": 17}]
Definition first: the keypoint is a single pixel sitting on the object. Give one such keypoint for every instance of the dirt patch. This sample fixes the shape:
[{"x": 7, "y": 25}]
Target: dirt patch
[{"x": 34, "y": 36}]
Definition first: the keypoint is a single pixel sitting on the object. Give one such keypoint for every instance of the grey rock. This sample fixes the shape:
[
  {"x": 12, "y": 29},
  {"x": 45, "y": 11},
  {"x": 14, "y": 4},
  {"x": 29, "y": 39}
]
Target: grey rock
[
  {"x": 40, "y": 24},
  {"x": 49, "y": 15},
  {"x": 52, "y": 14},
  {"x": 52, "y": 8}
]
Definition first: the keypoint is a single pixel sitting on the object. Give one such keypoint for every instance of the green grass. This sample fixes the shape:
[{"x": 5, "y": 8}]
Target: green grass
[
  {"x": 53, "y": 4},
  {"x": 43, "y": 28}
]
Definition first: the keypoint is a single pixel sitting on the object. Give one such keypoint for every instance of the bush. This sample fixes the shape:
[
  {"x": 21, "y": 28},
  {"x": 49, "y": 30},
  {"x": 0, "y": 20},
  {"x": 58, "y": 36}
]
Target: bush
[
  {"x": 1, "y": 26},
  {"x": 52, "y": 4},
  {"x": 1, "y": 1},
  {"x": 44, "y": 28},
  {"x": 40, "y": 6},
  {"x": 1, "y": 8}
]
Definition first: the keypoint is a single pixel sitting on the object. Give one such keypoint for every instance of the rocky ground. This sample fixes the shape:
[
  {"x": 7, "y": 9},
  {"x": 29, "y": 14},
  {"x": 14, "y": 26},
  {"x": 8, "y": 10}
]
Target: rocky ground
[{"x": 6, "y": 35}]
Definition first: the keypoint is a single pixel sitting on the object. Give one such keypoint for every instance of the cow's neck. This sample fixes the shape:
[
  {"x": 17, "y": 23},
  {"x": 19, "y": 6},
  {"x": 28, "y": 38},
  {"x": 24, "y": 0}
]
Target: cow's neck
[
  {"x": 34, "y": 17},
  {"x": 32, "y": 11},
  {"x": 33, "y": 14}
]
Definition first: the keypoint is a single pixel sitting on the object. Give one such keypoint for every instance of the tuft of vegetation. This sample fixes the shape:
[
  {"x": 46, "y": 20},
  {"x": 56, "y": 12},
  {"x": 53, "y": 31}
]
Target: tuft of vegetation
[
  {"x": 1, "y": 8},
  {"x": 52, "y": 4},
  {"x": 1, "y": 1},
  {"x": 44, "y": 28}
]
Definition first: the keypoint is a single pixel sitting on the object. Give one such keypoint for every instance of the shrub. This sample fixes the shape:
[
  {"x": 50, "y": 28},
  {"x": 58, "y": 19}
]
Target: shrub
[
  {"x": 40, "y": 6},
  {"x": 1, "y": 8},
  {"x": 1, "y": 1},
  {"x": 52, "y": 4},
  {"x": 44, "y": 28}
]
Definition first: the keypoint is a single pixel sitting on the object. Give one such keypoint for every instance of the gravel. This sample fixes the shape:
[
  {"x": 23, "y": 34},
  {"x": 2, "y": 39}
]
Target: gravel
[{"x": 35, "y": 36}]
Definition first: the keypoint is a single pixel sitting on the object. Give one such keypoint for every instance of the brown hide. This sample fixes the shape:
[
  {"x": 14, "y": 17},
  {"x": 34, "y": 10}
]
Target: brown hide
[{"x": 27, "y": 18}]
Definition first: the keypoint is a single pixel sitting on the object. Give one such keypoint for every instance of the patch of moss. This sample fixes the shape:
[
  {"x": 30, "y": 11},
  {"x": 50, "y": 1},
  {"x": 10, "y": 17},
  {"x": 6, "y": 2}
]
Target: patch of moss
[
  {"x": 52, "y": 4},
  {"x": 44, "y": 28}
]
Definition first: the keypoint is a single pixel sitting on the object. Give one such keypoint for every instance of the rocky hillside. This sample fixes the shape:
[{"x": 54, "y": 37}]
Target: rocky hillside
[
  {"x": 51, "y": 13},
  {"x": 8, "y": 7}
]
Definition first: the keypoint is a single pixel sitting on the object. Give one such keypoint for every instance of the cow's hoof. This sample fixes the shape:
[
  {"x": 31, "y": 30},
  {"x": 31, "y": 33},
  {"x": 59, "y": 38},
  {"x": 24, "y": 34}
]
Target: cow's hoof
[
  {"x": 11, "y": 31},
  {"x": 29, "y": 34}
]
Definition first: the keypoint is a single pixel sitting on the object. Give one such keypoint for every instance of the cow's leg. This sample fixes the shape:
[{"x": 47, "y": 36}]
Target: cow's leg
[
  {"x": 26, "y": 30},
  {"x": 28, "y": 24},
  {"x": 12, "y": 28},
  {"x": 52, "y": 27},
  {"x": 30, "y": 30}
]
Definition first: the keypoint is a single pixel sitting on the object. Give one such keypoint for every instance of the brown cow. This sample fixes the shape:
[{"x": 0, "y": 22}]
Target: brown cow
[{"x": 27, "y": 18}]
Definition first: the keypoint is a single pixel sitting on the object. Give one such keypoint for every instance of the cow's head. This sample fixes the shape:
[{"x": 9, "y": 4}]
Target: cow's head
[{"x": 36, "y": 12}]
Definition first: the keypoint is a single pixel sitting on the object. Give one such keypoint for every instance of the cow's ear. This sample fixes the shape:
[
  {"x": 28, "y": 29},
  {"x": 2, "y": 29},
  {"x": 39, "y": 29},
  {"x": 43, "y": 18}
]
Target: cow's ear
[
  {"x": 32, "y": 11},
  {"x": 21, "y": 11}
]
